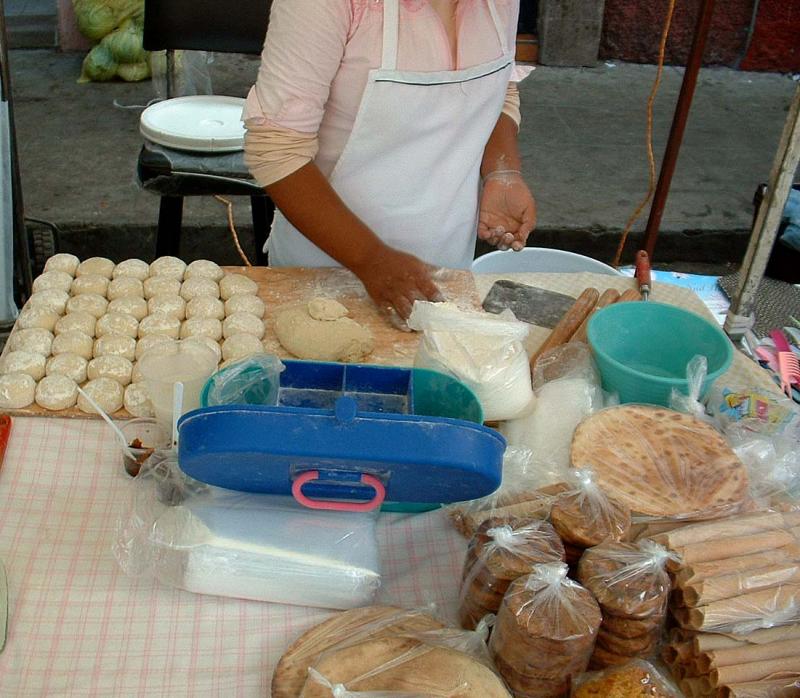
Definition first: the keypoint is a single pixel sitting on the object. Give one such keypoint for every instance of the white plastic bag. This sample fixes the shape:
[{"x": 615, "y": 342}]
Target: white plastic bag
[{"x": 483, "y": 351}]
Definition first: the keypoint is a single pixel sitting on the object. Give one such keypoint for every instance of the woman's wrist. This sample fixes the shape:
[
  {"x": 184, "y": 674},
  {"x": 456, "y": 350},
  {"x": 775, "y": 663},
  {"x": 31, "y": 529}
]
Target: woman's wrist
[{"x": 502, "y": 174}]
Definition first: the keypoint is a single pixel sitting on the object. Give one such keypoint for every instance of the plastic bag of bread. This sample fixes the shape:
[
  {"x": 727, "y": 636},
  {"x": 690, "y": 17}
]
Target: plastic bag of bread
[
  {"x": 634, "y": 679},
  {"x": 441, "y": 662},
  {"x": 585, "y": 516},
  {"x": 500, "y": 552},
  {"x": 632, "y": 586},
  {"x": 520, "y": 496},
  {"x": 545, "y": 632}
]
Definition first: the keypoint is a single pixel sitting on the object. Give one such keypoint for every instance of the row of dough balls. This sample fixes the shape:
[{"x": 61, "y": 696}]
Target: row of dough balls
[{"x": 88, "y": 336}]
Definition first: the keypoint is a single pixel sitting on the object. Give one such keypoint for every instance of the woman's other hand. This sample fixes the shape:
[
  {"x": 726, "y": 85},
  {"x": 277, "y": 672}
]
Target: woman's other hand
[{"x": 507, "y": 210}]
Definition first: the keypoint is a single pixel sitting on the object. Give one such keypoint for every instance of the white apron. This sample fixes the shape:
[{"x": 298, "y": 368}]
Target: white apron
[{"x": 411, "y": 167}]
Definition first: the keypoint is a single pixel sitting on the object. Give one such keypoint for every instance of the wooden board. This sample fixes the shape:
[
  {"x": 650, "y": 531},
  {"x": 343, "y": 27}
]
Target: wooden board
[{"x": 283, "y": 287}]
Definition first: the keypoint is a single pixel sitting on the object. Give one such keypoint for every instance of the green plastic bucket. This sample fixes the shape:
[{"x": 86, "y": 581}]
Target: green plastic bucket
[{"x": 643, "y": 348}]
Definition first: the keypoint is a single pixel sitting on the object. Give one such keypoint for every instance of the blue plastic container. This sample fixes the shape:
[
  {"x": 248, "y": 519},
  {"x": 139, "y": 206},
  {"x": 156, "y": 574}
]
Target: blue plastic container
[
  {"x": 418, "y": 432},
  {"x": 642, "y": 349}
]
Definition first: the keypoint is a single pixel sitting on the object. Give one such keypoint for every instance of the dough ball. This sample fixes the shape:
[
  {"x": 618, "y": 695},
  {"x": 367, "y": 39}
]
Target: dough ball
[
  {"x": 231, "y": 284},
  {"x": 239, "y": 345},
  {"x": 91, "y": 303},
  {"x": 172, "y": 267},
  {"x": 17, "y": 390},
  {"x": 105, "y": 392},
  {"x": 199, "y": 286},
  {"x": 322, "y": 340},
  {"x": 161, "y": 286},
  {"x": 117, "y": 368},
  {"x": 56, "y": 392},
  {"x": 245, "y": 303},
  {"x": 95, "y": 265},
  {"x": 78, "y": 320},
  {"x": 206, "y": 342},
  {"x": 137, "y": 400},
  {"x": 23, "y": 362},
  {"x": 37, "y": 317},
  {"x": 202, "y": 326},
  {"x": 49, "y": 299},
  {"x": 131, "y": 269},
  {"x": 136, "y": 373},
  {"x": 125, "y": 286},
  {"x": 149, "y": 341},
  {"x": 242, "y": 322},
  {"x": 174, "y": 306},
  {"x": 73, "y": 342},
  {"x": 52, "y": 280},
  {"x": 159, "y": 323},
  {"x": 131, "y": 305},
  {"x": 205, "y": 269},
  {"x": 67, "y": 263},
  {"x": 69, "y": 365},
  {"x": 117, "y": 323},
  {"x": 115, "y": 345},
  {"x": 205, "y": 306},
  {"x": 35, "y": 339},
  {"x": 89, "y": 283},
  {"x": 326, "y": 309}
]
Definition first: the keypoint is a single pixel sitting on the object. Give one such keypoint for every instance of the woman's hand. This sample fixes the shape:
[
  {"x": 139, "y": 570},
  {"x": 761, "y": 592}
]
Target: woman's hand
[
  {"x": 394, "y": 280},
  {"x": 507, "y": 212}
]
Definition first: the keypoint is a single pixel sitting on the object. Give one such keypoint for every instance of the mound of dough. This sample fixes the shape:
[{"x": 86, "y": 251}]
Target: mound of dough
[
  {"x": 50, "y": 299},
  {"x": 89, "y": 283},
  {"x": 137, "y": 400},
  {"x": 91, "y": 303},
  {"x": 242, "y": 322},
  {"x": 56, "y": 392},
  {"x": 105, "y": 392},
  {"x": 132, "y": 305},
  {"x": 52, "y": 280},
  {"x": 171, "y": 267},
  {"x": 211, "y": 344},
  {"x": 245, "y": 303},
  {"x": 35, "y": 339},
  {"x": 159, "y": 323},
  {"x": 17, "y": 390},
  {"x": 123, "y": 287},
  {"x": 205, "y": 306},
  {"x": 133, "y": 269},
  {"x": 231, "y": 284},
  {"x": 149, "y": 341},
  {"x": 37, "y": 317},
  {"x": 116, "y": 323},
  {"x": 23, "y": 362},
  {"x": 174, "y": 306},
  {"x": 96, "y": 265},
  {"x": 117, "y": 368},
  {"x": 62, "y": 262},
  {"x": 202, "y": 326},
  {"x": 76, "y": 320},
  {"x": 342, "y": 339},
  {"x": 240, "y": 345},
  {"x": 73, "y": 342},
  {"x": 115, "y": 345},
  {"x": 204, "y": 268},
  {"x": 326, "y": 309},
  {"x": 161, "y": 286},
  {"x": 198, "y": 287},
  {"x": 69, "y": 365}
]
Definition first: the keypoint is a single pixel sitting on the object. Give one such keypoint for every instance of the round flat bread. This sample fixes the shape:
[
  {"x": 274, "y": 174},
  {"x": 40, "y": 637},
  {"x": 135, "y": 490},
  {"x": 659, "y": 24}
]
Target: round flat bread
[
  {"x": 374, "y": 621},
  {"x": 405, "y": 665},
  {"x": 660, "y": 463}
]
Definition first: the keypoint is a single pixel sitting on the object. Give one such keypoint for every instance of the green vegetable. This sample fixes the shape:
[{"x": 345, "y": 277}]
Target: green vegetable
[
  {"x": 125, "y": 43},
  {"x": 99, "y": 65},
  {"x": 134, "y": 72},
  {"x": 95, "y": 18}
]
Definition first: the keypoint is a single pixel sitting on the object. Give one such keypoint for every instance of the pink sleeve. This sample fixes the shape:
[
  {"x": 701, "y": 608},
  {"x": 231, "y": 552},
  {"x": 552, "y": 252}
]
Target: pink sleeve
[{"x": 303, "y": 50}]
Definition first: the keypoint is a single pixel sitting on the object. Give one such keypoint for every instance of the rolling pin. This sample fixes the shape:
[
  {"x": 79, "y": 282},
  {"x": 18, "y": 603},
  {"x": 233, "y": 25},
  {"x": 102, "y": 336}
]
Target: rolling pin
[
  {"x": 568, "y": 324},
  {"x": 609, "y": 296},
  {"x": 632, "y": 294}
]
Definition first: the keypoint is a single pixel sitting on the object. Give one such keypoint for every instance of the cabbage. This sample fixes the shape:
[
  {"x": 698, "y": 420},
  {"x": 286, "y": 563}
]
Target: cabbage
[
  {"x": 95, "y": 18},
  {"x": 125, "y": 44},
  {"x": 133, "y": 72},
  {"x": 99, "y": 65}
]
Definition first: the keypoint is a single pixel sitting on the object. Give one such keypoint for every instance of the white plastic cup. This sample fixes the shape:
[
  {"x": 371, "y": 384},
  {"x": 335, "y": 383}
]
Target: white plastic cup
[{"x": 186, "y": 361}]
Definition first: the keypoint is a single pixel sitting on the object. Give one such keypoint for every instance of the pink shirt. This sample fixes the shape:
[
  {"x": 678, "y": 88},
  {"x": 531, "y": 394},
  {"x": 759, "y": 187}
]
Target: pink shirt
[{"x": 318, "y": 53}]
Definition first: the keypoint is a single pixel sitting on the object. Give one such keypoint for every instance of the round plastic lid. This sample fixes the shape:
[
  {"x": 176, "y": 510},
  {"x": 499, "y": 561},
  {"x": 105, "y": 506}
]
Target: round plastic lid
[{"x": 198, "y": 123}]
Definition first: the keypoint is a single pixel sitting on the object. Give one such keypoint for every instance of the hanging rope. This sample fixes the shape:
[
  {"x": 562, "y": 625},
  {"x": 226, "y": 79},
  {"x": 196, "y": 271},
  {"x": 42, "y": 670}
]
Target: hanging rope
[
  {"x": 229, "y": 205},
  {"x": 651, "y": 160}
]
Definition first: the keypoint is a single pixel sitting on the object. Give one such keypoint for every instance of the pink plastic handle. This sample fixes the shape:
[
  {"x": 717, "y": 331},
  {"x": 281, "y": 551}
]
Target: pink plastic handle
[{"x": 311, "y": 475}]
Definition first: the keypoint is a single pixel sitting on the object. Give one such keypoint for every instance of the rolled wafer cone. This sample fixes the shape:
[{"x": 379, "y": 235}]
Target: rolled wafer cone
[
  {"x": 744, "y": 654},
  {"x": 703, "y": 570},
  {"x": 696, "y": 687},
  {"x": 732, "y": 527},
  {"x": 742, "y": 545},
  {"x": 712, "y": 589},
  {"x": 741, "y": 609},
  {"x": 774, "y": 688},
  {"x": 755, "y": 671}
]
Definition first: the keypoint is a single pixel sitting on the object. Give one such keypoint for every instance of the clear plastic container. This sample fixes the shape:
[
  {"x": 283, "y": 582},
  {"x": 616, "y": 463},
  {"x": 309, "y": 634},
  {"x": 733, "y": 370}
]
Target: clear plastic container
[{"x": 143, "y": 435}]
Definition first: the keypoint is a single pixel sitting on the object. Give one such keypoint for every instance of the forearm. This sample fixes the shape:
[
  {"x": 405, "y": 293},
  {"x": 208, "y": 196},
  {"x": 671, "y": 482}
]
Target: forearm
[
  {"x": 312, "y": 206},
  {"x": 501, "y": 151}
]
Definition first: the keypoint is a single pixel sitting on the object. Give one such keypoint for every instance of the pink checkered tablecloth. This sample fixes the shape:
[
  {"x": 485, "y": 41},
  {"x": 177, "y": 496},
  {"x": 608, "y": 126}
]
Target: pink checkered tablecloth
[{"x": 79, "y": 627}]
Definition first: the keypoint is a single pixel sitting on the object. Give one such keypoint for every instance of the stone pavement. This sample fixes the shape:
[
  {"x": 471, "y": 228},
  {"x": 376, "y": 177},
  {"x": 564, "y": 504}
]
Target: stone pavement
[{"x": 582, "y": 139}]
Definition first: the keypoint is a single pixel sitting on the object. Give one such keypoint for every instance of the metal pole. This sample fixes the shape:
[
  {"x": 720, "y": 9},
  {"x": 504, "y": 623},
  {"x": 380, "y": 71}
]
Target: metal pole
[
  {"x": 768, "y": 220},
  {"x": 693, "y": 66}
]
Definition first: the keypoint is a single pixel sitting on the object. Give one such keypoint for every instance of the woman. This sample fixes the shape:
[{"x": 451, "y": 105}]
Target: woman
[{"x": 372, "y": 125}]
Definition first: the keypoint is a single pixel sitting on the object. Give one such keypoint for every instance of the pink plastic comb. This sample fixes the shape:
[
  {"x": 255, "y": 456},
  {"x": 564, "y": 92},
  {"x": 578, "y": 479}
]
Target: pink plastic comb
[{"x": 788, "y": 365}]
